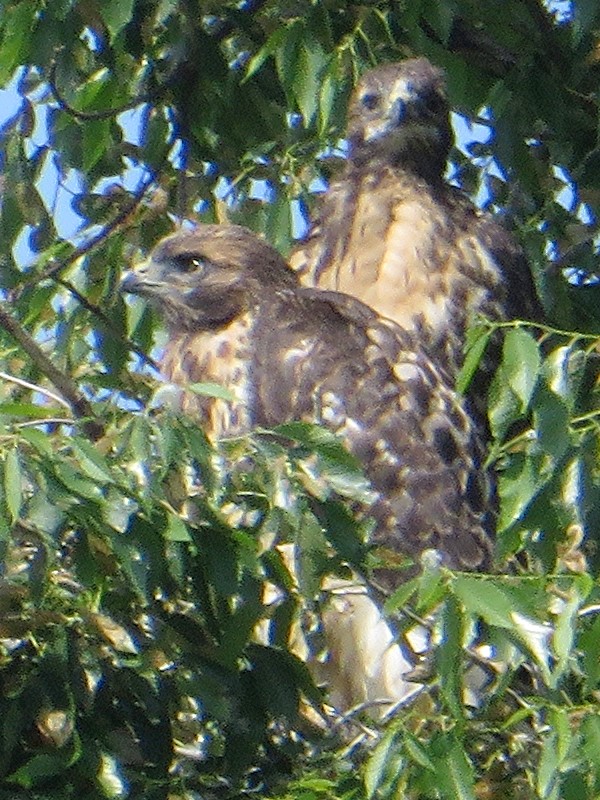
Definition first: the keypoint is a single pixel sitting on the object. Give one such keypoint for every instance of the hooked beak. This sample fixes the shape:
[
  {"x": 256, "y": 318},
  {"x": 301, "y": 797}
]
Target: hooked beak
[
  {"x": 130, "y": 283},
  {"x": 140, "y": 280}
]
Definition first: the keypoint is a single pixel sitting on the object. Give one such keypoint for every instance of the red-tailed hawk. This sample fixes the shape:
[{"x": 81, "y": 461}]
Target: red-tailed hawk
[
  {"x": 236, "y": 316},
  {"x": 394, "y": 234}
]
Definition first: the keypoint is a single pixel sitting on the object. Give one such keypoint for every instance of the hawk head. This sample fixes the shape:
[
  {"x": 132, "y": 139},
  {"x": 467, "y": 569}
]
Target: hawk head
[
  {"x": 202, "y": 279},
  {"x": 399, "y": 115}
]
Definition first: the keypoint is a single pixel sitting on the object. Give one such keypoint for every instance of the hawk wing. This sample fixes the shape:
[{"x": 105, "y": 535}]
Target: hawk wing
[
  {"x": 289, "y": 353},
  {"x": 293, "y": 353},
  {"x": 326, "y": 358}
]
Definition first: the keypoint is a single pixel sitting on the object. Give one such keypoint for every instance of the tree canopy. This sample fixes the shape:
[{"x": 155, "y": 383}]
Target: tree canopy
[{"x": 133, "y": 557}]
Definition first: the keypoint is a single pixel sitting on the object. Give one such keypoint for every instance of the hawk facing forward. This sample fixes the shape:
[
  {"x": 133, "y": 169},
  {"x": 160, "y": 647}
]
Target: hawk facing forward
[
  {"x": 236, "y": 316},
  {"x": 394, "y": 234}
]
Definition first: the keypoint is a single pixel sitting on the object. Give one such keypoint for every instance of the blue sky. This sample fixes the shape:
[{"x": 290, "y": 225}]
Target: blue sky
[{"x": 58, "y": 192}]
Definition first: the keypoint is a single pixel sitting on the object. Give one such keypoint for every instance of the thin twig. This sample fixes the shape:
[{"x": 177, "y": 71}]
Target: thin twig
[
  {"x": 35, "y": 388},
  {"x": 44, "y": 421},
  {"x": 79, "y": 405},
  {"x": 120, "y": 219}
]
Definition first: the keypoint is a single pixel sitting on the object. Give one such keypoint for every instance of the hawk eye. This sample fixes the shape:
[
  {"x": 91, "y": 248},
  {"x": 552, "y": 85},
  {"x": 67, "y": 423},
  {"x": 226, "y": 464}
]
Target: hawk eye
[
  {"x": 370, "y": 101},
  {"x": 189, "y": 262}
]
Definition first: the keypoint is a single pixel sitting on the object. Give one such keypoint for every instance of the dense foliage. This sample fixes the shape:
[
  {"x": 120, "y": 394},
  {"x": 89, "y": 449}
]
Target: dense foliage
[{"x": 135, "y": 558}]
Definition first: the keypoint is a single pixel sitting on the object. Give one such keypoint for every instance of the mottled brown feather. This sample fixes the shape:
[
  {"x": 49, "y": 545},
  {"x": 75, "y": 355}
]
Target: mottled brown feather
[
  {"x": 295, "y": 353},
  {"x": 394, "y": 234}
]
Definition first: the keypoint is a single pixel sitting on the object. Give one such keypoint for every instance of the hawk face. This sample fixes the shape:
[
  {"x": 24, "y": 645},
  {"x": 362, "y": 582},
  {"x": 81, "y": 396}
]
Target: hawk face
[
  {"x": 399, "y": 114},
  {"x": 205, "y": 278}
]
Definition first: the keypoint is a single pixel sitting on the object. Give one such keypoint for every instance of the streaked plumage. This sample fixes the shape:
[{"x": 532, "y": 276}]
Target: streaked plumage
[
  {"x": 394, "y": 234},
  {"x": 236, "y": 316}
]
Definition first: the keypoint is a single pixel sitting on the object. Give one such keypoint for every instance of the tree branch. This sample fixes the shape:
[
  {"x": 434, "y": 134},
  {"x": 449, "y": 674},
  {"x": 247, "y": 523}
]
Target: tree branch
[
  {"x": 79, "y": 405},
  {"x": 120, "y": 219}
]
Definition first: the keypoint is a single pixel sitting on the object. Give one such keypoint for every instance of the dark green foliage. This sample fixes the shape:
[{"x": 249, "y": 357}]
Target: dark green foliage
[{"x": 135, "y": 560}]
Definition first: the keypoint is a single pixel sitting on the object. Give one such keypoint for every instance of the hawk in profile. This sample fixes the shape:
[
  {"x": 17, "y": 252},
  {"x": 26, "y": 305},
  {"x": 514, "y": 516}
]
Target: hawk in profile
[
  {"x": 236, "y": 316},
  {"x": 394, "y": 234}
]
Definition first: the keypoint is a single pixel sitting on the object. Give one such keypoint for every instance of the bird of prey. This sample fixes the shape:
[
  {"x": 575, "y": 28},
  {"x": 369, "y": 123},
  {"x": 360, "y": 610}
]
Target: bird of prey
[
  {"x": 393, "y": 233},
  {"x": 236, "y": 316}
]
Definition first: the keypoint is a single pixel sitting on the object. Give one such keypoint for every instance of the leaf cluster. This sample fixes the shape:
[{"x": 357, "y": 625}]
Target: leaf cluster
[{"x": 146, "y": 610}]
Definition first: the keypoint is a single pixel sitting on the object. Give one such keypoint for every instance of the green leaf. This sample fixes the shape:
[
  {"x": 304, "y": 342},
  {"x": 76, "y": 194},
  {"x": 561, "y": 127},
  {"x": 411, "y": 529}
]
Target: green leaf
[
  {"x": 92, "y": 463},
  {"x": 428, "y": 582},
  {"x": 212, "y": 390},
  {"x": 41, "y": 767},
  {"x": 76, "y": 483},
  {"x": 157, "y": 142},
  {"x": 563, "y": 370},
  {"x": 504, "y": 407},
  {"x": 30, "y": 410},
  {"x": 385, "y": 758},
  {"x": 519, "y": 485},
  {"x": 18, "y": 22},
  {"x": 13, "y": 484},
  {"x": 478, "y": 338},
  {"x": 96, "y": 136},
  {"x": 401, "y": 596},
  {"x": 558, "y": 719},
  {"x": 270, "y": 47},
  {"x": 449, "y": 657},
  {"x": 311, "y": 555},
  {"x": 454, "y": 771},
  {"x": 590, "y": 728},
  {"x": 238, "y": 627},
  {"x": 416, "y": 751},
  {"x": 286, "y": 58},
  {"x": 585, "y": 14},
  {"x": 521, "y": 363},
  {"x": 565, "y": 630},
  {"x": 278, "y": 223},
  {"x": 310, "y": 65},
  {"x": 116, "y": 14},
  {"x": 277, "y": 677},
  {"x": 485, "y": 599},
  {"x": 88, "y": 91},
  {"x": 344, "y": 531},
  {"x": 440, "y": 15},
  {"x": 327, "y": 95},
  {"x": 551, "y": 423},
  {"x": 176, "y": 530},
  {"x": 547, "y": 770},
  {"x": 589, "y": 644}
]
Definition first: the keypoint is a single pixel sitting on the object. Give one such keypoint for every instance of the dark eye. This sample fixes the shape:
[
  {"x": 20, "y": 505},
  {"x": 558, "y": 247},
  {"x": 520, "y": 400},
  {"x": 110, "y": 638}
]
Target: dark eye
[
  {"x": 189, "y": 262},
  {"x": 370, "y": 101}
]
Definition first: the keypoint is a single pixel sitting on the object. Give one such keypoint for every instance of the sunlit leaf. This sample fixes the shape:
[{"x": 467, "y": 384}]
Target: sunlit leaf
[
  {"x": 477, "y": 342},
  {"x": 13, "y": 484},
  {"x": 521, "y": 362},
  {"x": 116, "y": 14},
  {"x": 211, "y": 390},
  {"x": 176, "y": 530},
  {"x": 116, "y": 634},
  {"x": 385, "y": 758}
]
